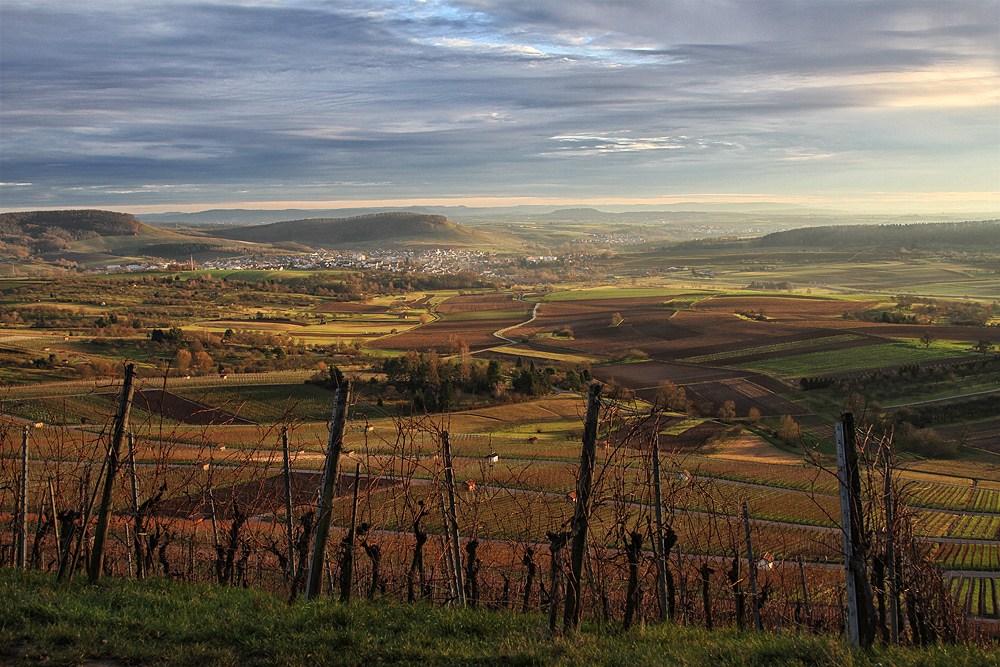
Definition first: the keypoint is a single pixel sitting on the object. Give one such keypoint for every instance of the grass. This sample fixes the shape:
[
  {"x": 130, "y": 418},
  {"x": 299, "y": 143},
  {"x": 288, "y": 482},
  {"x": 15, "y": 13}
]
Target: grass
[
  {"x": 777, "y": 347},
  {"x": 167, "y": 623},
  {"x": 543, "y": 354},
  {"x": 850, "y": 359}
]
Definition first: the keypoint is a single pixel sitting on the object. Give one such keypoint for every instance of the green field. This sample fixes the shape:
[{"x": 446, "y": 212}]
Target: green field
[
  {"x": 777, "y": 347},
  {"x": 851, "y": 359}
]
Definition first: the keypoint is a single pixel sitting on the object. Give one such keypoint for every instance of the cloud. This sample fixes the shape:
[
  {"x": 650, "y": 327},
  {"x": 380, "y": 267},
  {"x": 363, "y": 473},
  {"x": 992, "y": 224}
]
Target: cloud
[{"x": 220, "y": 101}]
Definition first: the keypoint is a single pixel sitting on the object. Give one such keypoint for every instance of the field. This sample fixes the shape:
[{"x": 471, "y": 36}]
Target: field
[
  {"x": 749, "y": 433},
  {"x": 465, "y": 321},
  {"x": 846, "y": 360}
]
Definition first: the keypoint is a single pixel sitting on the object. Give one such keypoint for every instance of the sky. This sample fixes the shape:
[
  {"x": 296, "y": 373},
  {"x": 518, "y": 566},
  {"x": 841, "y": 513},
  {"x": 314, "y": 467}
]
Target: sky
[{"x": 171, "y": 105}]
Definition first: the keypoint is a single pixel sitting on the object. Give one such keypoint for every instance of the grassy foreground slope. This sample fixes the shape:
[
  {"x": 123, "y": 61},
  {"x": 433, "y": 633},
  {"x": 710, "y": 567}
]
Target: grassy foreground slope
[{"x": 168, "y": 623}]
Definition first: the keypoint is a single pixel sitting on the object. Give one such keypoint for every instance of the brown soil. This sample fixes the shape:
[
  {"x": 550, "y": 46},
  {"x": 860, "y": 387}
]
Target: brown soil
[
  {"x": 783, "y": 307},
  {"x": 641, "y": 433},
  {"x": 172, "y": 406},
  {"x": 440, "y": 335},
  {"x": 265, "y": 496},
  {"x": 346, "y": 307},
  {"x": 479, "y": 302}
]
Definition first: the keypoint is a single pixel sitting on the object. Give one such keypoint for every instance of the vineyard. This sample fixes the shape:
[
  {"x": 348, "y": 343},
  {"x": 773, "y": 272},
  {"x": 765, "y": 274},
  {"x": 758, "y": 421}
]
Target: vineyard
[{"x": 208, "y": 503}]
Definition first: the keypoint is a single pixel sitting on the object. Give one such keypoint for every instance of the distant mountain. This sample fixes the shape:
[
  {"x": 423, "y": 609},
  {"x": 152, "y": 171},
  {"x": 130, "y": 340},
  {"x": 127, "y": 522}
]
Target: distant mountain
[
  {"x": 984, "y": 234},
  {"x": 361, "y": 229}
]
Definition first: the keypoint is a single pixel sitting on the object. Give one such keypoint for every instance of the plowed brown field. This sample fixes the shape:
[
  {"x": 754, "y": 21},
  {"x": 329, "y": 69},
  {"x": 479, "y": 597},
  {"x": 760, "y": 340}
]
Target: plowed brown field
[
  {"x": 265, "y": 496},
  {"x": 783, "y": 307},
  {"x": 440, "y": 335},
  {"x": 172, "y": 406},
  {"x": 468, "y": 303},
  {"x": 348, "y": 307}
]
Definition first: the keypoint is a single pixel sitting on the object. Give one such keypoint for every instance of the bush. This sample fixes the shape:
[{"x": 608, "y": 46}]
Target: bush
[{"x": 923, "y": 442}]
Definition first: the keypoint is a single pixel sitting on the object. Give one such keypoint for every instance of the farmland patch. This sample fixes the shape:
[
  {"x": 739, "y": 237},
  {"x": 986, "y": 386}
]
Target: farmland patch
[
  {"x": 350, "y": 307},
  {"x": 266, "y": 496},
  {"x": 845, "y": 360},
  {"x": 172, "y": 406}
]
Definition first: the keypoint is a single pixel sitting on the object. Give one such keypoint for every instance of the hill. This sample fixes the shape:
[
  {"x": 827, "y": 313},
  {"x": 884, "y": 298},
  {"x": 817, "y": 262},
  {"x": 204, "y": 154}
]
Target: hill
[
  {"x": 79, "y": 224},
  {"x": 27, "y": 233},
  {"x": 388, "y": 226},
  {"x": 95, "y": 237},
  {"x": 983, "y": 234}
]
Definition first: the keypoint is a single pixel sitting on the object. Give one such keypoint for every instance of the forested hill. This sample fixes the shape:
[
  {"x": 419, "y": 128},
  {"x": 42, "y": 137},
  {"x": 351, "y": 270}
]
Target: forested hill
[
  {"x": 28, "y": 233},
  {"x": 983, "y": 234},
  {"x": 77, "y": 224},
  {"x": 357, "y": 229}
]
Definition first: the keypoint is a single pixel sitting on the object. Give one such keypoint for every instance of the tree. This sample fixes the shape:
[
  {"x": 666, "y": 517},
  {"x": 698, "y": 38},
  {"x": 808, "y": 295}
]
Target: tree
[
  {"x": 753, "y": 415},
  {"x": 616, "y": 319},
  {"x": 672, "y": 397},
  {"x": 927, "y": 339},
  {"x": 789, "y": 431},
  {"x": 727, "y": 411},
  {"x": 182, "y": 361},
  {"x": 983, "y": 346}
]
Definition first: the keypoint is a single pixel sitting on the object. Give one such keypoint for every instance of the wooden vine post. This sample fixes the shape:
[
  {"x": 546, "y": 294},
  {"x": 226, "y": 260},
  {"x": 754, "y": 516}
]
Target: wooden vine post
[
  {"x": 22, "y": 505},
  {"x": 287, "y": 471},
  {"x": 456, "y": 555},
  {"x": 661, "y": 556},
  {"x": 114, "y": 453},
  {"x": 581, "y": 517},
  {"x": 324, "y": 512},
  {"x": 347, "y": 567},
  {"x": 860, "y": 601},
  {"x": 136, "y": 518},
  {"x": 890, "y": 554},
  {"x": 754, "y": 600}
]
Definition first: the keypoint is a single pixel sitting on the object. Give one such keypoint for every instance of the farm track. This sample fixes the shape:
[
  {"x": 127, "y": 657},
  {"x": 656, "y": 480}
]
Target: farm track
[{"x": 499, "y": 333}]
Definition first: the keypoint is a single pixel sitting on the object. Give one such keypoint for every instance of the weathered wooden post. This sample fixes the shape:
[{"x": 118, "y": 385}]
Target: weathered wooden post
[
  {"x": 449, "y": 478},
  {"x": 347, "y": 567},
  {"x": 706, "y": 598},
  {"x": 323, "y": 510},
  {"x": 633, "y": 552},
  {"x": 805, "y": 591},
  {"x": 581, "y": 517},
  {"x": 449, "y": 553},
  {"x": 288, "y": 504},
  {"x": 55, "y": 516},
  {"x": 890, "y": 555},
  {"x": 661, "y": 558},
  {"x": 114, "y": 452},
  {"x": 137, "y": 520},
  {"x": 22, "y": 502},
  {"x": 556, "y": 543},
  {"x": 845, "y": 523},
  {"x": 682, "y": 587},
  {"x": 754, "y": 600},
  {"x": 860, "y": 603},
  {"x": 739, "y": 597}
]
